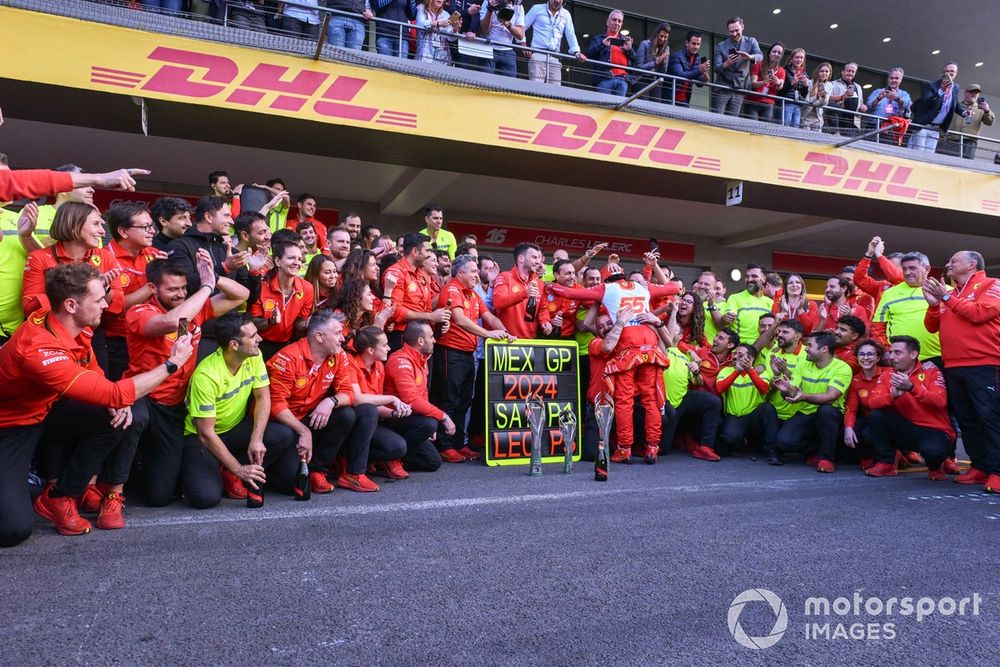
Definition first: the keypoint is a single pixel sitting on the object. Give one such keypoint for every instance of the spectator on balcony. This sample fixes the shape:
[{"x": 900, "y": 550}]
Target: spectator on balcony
[
  {"x": 890, "y": 100},
  {"x": 934, "y": 109},
  {"x": 248, "y": 14},
  {"x": 688, "y": 65},
  {"x": 469, "y": 11},
  {"x": 434, "y": 26},
  {"x": 550, "y": 22},
  {"x": 846, "y": 94},
  {"x": 768, "y": 78},
  {"x": 346, "y": 30},
  {"x": 733, "y": 59},
  {"x": 795, "y": 88},
  {"x": 654, "y": 55},
  {"x": 166, "y": 6},
  {"x": 499, "y": 29},
  {"x": 613, "y": 48},
  {"x": 818, "y": 97},
  {"x": 301, "y": 21},
  {"x": 972, "y": 113},
  {"x": 391, "y": 39}
]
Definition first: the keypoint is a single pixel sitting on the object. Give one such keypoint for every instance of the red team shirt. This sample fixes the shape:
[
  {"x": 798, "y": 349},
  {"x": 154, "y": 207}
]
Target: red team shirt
[
  {"x": 299, "y": 383},
  {"x": 41, "y": 260},
  {"x": 472, "y": 306},
  {"x": 298, "y": 306}
]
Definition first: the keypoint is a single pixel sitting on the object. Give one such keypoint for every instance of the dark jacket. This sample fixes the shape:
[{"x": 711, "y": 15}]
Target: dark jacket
[
  {"x": 928, "y": 105},
  {"x": 183, "y": 252},
  {"x": 596, "y": 50},
  {"x": 470, "y": 23},
  {"x": 680, "y": 65}
]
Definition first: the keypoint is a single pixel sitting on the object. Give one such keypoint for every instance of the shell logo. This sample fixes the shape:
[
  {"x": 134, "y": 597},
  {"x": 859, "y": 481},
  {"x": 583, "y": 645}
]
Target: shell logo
[
  {"x": 411, "y": 287},
  {"x": 419, "y": 379},
  {"x": 301, "y": 382},
  {"x": 172, "y": 336},
  {"x": 125, "y": 280},
  {"x": 515, "y": 289},
  {"x": 863, "y": 393},
  {"x": 705, "y": 364},
  {"x": 466, "y": 304},
  {"x": 270, "y": 305}
]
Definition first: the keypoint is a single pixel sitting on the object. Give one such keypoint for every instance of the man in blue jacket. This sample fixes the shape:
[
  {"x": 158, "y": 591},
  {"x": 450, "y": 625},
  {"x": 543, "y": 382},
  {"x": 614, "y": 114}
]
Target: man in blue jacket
[
  {"x": 934, "y": 108},
  {"x": 612, "y": 48},
  {"x": 686, "y": 64}
]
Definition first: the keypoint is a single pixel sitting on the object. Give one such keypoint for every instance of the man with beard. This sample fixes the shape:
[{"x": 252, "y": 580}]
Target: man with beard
[
  {"x": 412, "y": 293},
  {"x": 836, "y": 306},
  {"x": 743, "y": 310},
  {"x": 848, "y": 332}
]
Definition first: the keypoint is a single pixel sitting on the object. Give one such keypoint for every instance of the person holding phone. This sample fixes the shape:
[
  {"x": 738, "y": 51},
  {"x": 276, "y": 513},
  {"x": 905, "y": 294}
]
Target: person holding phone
[
  {"x": 687, "y": 64},
  {"x": 934, "y": 108},
  {"x": 502, "y": 22},
  {"x": 614, "y": 48},
  {"x": 733, "y": 59},
  {"x": 972, "y": 113}
]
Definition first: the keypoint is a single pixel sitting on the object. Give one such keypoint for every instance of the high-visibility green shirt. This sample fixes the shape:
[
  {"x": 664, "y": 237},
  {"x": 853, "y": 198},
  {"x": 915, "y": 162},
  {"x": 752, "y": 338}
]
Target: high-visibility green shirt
[
  {"x": 710, "y": 328},
  {"x": 13, "y": 257},
  {"x": 748, "y": 309},
  {"x": 277, "y": 217},
  {"x": 583, "y": 338},
  {"x": 902, "y": 308},
  {"x": 677, "y": 377},
  {"x": 215, "y": 392},
  {"x": 742, "y": 397},
  {"x": 814, "y": 380},
  {"x": 445, "y": 240},
  {"x": 794, "y": 360}
]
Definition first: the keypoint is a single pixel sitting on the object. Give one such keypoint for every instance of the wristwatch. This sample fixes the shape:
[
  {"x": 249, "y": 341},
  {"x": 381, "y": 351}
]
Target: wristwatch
[
  {"x": 946, "y": 297},
  {"x": 171, "y": 367}
]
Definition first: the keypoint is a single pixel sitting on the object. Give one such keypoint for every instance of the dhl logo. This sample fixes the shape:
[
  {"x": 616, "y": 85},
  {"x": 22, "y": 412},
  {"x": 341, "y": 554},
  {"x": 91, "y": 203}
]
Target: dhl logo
[
  {"x": 203, "y": 76},
  {"x": 835, "y": 171},
  {"x": 631, "y": 141}
]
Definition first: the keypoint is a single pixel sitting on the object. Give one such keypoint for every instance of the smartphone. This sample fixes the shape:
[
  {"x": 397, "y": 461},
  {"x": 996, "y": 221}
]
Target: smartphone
[
  {"x": 182, "y": 327},
  {"x": 704, "y": 59},
  {"x": 616, "y": 41},
  {"x": 654, "y": 245},
  {"x": 456, "y": 17}
]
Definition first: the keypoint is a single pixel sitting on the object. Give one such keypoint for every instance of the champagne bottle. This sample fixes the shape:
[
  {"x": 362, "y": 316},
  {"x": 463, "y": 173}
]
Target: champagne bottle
[
  {"x": 529, "y": 311},
  {"x": 601, "y": 463},
  {"x": 303, "y": 490}
]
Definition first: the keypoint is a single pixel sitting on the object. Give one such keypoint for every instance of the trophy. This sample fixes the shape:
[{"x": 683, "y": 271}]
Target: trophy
[
  {"x": 534, "y": 408},
  {"x": 567, "y": 426},
  {"x": 604, "y": 412}
]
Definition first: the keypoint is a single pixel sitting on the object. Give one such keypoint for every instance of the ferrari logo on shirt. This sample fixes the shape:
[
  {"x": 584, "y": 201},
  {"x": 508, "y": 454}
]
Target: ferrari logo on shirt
[
  {"x": 38, "y": 319},
  {"x": 921, "y": 377},
  {"x": 95, "y": 260}
]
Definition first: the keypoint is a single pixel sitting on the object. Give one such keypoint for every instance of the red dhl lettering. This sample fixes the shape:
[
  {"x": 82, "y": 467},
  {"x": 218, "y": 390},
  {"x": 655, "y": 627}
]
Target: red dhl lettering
[
  {"x": 577, "y": 132},
  {"x": 203, "y": 76},
  {"x": 837, "y": 172}
]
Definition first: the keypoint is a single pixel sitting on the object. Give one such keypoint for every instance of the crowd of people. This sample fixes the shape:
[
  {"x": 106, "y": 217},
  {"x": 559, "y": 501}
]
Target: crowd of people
[
  {"x": 194, "y": 355},
  {"x": 773, "y": 85}
]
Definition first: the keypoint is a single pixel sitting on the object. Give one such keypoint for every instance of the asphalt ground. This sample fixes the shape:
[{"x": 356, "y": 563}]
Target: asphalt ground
[{"x": 473, "y": 565}]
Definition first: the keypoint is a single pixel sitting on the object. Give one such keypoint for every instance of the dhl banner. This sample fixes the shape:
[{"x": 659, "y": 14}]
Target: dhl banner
[{"x": 68, "y": 52}]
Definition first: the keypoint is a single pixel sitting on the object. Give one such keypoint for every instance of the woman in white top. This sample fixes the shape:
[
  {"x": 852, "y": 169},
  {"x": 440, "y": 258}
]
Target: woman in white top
[
  {"x": 434, "y": 29},
  {"x": 818, "y": 97}
]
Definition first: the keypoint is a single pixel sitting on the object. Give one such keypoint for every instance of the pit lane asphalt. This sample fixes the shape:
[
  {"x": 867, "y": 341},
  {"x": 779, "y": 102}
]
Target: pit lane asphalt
[{"x": 476, "y": 565}]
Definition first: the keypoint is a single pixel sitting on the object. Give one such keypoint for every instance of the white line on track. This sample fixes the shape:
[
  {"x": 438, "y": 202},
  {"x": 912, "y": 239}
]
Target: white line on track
[{"x": 313, "y": 510}]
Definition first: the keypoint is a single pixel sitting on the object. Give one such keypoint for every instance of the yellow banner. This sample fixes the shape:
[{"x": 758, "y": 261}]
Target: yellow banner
[{"x": 67, "y": 52}]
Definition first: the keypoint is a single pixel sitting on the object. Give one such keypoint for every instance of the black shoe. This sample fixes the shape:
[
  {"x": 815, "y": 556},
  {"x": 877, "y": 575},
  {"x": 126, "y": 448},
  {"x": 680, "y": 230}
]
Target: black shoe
[{"x": 774, "y": 459}]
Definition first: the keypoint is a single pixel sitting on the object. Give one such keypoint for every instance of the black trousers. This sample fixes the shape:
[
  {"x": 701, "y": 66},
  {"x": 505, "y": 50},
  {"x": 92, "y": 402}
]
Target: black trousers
[
  {"x": 161, "y": 449},
  {"x": 477, "y": 416},
  {"x": 111, "y": 354},
  {"x": 395, "y": 338},
  {"x": 813, "y": 433},
  {"x": 453, "y": 376},
  {"x": 78, "y": 443},
  {"x": 695, "y": 405},
  {"x": 974, "y": 399},
  {"x": 888, "y": 431},
  {"x": 415, "y": 431},
  {"x": 349, "y": 430},
  {"x": 17, "y": 519},
  {"x": 200, "y": 476},
  {"x": 735, "y": 430}
]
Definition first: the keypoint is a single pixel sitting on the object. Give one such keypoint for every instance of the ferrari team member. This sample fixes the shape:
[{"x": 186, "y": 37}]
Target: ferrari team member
[
  {"x": 742, "y": 310},
  {"x": 453, "y": 363},
  {"x": 836, "y": 305},
  {"x": 406, "y": 376},
  {"x": 638, "y": 361},
  {"x": 281, "y": 312},
  {"x": 968, "y": 321},
  {"x": 411, "y": 293},
  {"x": 911, "y": 414},
  {"x": 514, "y": 291},
  {"x": 562, "y": 311},
  {"x": 219, "y": 429},
  {"x": 869, "y": 380},
  {"x": 50, "y": 358},
  {"x": 311, "y": 394},
  {"x": 743, "y": 392},
  {"x": 902, "y": 308},
  {"x": 848, "y": 332},
  {"x": 889, "y": 265},
  {"x": 151, "y": 329},
  {"x": 34, "y": 183}
]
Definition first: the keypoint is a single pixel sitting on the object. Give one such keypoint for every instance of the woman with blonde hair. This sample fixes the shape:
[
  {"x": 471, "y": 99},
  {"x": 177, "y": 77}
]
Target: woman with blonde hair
[
  {"x": 818, "y": 97},
  {"x": 435, "y": 29}
]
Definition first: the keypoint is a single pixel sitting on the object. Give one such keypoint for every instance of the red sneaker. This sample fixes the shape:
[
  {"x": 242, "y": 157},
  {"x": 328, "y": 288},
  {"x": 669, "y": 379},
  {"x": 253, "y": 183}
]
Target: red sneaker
[
  {"x": 881, "y": 470},
  {"x": 61, "y": 512},
  {"x": 949, "y": 466},
  {"x": 824, "y": 465},
  {"x": 232, "y": 485},
  {"x": 452, "y": 456},
  {"x": 992, "y": 484},
  {"x": 357, "y": 483},
  {"x": 469, "y": 454},
  {"x": 705, "y": 453},
  {"x": 622, "y": 455},
  {"x": 393, "y": 469},
  {"x": 90, "y": 501},
  {"x": 937, "y": 475},
  {"x": 112, "y": 514},
  {"x": 972, "y": 476},
  {"x": 866, "y": 464},
  {"x": 318, "y": 483},
  {"x": 652, "y": 453},
  {"x": 914, "y": 458},
  {"x": 812, "y": 460}
]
